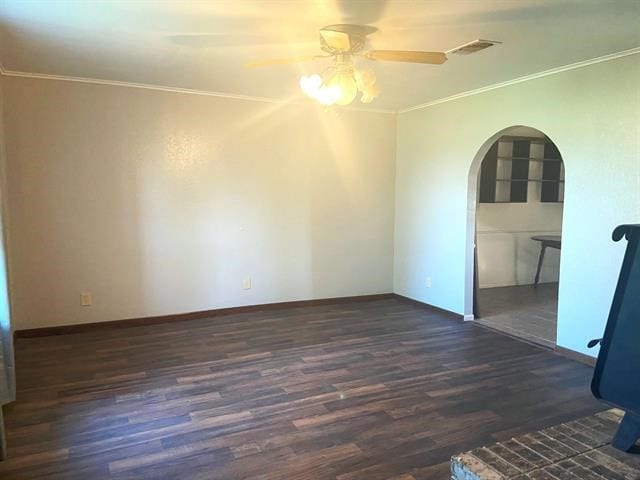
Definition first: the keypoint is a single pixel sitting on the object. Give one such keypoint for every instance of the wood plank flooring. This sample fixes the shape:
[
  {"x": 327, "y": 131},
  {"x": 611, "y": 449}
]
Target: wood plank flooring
[{"x": 362, "y": 390}]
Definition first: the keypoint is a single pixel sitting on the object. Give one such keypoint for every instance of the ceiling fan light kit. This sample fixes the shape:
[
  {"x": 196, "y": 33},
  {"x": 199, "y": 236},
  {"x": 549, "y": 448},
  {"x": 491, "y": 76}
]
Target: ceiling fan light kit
[{"x": 340, "y": 83}]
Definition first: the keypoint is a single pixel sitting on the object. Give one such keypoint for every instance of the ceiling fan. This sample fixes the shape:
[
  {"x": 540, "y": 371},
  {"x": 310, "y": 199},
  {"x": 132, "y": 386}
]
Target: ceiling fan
[
  {"x": 345, "y": 39},
  {"x": 340, "y": 83}
]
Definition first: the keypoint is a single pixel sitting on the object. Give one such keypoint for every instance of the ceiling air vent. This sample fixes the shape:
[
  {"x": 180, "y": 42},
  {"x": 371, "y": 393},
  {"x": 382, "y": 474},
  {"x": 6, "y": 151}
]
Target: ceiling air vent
[{"x": 473, "y": 47}]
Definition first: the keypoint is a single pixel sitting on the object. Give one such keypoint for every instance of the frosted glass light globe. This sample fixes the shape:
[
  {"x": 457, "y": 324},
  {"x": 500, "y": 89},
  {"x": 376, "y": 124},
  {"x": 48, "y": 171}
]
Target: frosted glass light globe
[
  {"x": 347, "y": 85},
  {"x": 310, "y": 85},
  {"x": 369, "y": 93},
  {"x": 364, "y": 79},
  {"x": 328, "y": 94}
]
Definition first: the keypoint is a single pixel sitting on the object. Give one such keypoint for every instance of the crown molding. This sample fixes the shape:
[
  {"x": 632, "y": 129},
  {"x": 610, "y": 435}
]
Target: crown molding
[
  {"x": 293, "y": 101},
  {"x": 188, "y": 91},
  {"x": 526, "y": 78},
  {"x": 144, "y": 86}
]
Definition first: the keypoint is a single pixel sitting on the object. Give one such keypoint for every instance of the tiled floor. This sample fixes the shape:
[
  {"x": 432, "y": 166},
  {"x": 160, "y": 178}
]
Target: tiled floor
[
  {"x": 523, "y": 311},
  {"x": 579, "y": 449}
]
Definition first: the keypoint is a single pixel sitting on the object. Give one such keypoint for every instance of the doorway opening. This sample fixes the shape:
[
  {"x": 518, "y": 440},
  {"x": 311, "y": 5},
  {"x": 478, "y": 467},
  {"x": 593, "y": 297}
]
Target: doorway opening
[{"x": 519, "y": 200}]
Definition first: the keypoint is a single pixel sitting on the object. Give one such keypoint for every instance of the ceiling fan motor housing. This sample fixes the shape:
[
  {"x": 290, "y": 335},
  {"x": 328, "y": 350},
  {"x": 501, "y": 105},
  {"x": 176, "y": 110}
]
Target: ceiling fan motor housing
[{"x": 344, "y": 38}]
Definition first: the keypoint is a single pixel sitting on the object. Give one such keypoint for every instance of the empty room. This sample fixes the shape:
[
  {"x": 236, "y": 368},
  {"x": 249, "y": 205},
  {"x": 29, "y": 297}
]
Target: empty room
[{"x": 320, "y": 239}]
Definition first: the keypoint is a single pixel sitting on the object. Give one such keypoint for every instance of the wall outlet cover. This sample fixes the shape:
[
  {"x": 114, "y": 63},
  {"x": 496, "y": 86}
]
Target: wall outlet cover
[{"x": 85, "y": 300}]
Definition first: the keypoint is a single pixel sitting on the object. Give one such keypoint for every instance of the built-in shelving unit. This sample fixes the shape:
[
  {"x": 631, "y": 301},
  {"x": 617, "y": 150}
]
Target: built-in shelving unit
[{"x": 520, "y": 170}]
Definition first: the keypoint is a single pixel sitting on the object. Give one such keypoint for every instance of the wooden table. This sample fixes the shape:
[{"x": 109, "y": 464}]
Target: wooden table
[{"x": 552, "y": 241}]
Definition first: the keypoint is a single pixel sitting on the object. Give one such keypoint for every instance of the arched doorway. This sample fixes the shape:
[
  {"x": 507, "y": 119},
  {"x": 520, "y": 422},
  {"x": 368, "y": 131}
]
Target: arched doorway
[{"x": 516, "y": 200}]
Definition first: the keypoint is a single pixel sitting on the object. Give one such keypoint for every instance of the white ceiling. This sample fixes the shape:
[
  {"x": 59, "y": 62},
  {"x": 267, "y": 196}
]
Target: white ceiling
[{"x": 204, "y": 45}]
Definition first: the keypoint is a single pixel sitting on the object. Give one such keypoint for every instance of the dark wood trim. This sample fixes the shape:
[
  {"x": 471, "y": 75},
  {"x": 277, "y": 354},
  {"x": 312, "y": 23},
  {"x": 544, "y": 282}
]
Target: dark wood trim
[
  {"x": 515, "y": 337},
  {"x": 413, "y": 301},
  {"x": 564, "y": 352},
  {"x": 3, "y": 438},
  {"x": 178, "y": 317},
  {"x": 577, "y": 356}
]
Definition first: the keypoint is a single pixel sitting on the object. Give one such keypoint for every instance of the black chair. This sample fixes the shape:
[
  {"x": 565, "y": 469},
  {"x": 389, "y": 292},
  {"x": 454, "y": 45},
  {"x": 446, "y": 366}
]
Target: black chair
[{"x": 616, "y": 379}]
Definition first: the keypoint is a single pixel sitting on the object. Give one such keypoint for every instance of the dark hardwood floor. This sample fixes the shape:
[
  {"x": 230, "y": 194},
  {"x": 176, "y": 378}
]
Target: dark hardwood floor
[{"x": 363, "y": 390}]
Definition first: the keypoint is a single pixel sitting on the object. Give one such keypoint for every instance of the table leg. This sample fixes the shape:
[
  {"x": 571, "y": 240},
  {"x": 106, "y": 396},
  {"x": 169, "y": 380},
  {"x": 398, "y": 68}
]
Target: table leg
[{"x": 540, "y": 260}]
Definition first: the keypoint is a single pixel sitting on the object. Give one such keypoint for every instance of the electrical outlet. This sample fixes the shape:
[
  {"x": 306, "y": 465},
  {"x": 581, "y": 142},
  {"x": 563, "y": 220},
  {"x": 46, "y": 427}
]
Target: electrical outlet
[
  {"x": 85, "y": 300},
  {"x": 427, "y": 282},
  {"x": 246, "y": 283}
]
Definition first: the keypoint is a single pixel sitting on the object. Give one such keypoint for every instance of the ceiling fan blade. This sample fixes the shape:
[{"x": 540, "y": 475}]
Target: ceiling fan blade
[
  {"x": 434, "y": 58},
  {"x": 336, "y": 40},
  {"x": 283, "y": 61}
]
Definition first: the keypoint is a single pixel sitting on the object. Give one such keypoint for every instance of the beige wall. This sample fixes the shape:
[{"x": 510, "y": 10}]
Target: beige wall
[
  {"x": 592, "y": 114},
  {"x": 161, "y": 203},
  {"x": 7, "y": 376}
]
